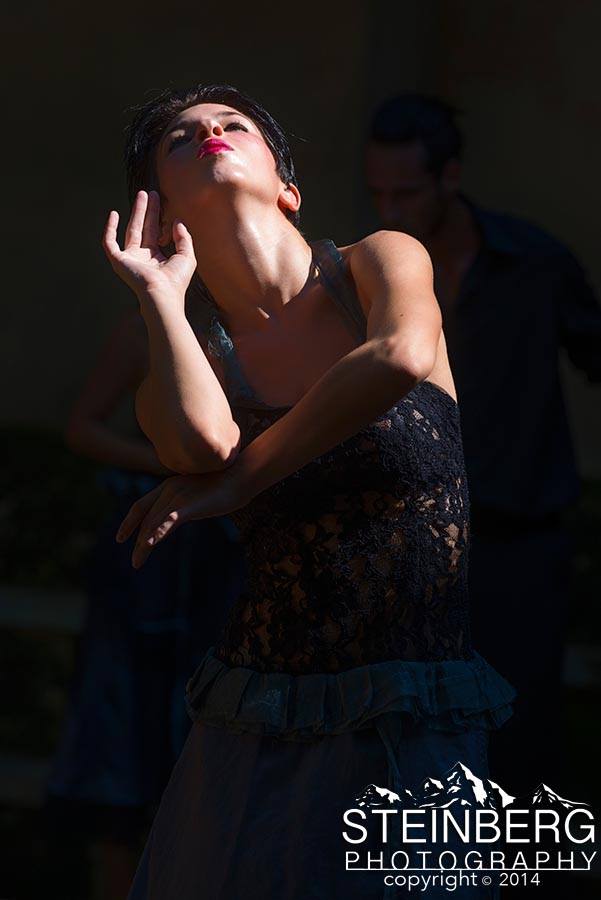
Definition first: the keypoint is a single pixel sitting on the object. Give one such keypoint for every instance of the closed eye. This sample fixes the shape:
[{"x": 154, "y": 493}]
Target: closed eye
[
  {"x": 177, "y": 140},
  {"x": 182, "y": 138}
]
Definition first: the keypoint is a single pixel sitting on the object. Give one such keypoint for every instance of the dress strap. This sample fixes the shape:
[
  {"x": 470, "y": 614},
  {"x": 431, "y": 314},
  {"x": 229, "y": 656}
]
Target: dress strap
[
  {"x": 238, "y": 389},
  {"x": 331, "y": 267},
  {"x": 220, "y": 345}
]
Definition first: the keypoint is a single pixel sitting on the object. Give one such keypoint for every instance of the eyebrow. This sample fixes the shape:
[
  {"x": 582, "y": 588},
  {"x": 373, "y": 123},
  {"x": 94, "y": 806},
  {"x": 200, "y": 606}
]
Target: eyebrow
[{"x": 221, "y": 115}]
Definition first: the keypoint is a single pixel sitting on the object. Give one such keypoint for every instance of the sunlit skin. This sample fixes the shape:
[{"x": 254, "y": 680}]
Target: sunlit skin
[
  {"x": 294, "y": 346},
  {"x": 251, "y": 257}
]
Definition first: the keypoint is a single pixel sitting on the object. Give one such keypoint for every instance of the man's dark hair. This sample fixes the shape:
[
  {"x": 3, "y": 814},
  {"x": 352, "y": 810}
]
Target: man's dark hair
[
  {"x": 420, "y": 117},
  {"x": 151, "y": 119}
]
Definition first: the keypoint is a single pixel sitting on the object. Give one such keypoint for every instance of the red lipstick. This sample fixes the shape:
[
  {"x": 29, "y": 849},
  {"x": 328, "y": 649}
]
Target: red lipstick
[{"x": 212, "y": 145}]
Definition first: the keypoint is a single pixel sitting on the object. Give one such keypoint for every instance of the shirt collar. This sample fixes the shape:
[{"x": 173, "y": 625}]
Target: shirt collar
[{"x": 495, "y": 228}]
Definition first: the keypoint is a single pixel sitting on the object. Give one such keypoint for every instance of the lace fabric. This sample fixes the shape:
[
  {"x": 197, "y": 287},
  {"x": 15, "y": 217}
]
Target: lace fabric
[{"x": 361, "y": 556}]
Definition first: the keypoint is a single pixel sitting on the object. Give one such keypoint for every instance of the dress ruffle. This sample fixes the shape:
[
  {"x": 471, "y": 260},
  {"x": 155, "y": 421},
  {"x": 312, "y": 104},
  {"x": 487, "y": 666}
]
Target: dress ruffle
[{"x": 451, "y": 695}]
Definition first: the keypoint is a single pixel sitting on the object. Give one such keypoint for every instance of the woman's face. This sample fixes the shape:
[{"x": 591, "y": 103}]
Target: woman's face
[{"x": 189, "y": 178}]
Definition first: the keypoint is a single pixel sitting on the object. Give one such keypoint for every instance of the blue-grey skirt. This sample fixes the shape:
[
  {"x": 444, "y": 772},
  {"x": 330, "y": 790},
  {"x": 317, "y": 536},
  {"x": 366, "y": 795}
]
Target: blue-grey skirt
[{"x": 254, "y": 807}]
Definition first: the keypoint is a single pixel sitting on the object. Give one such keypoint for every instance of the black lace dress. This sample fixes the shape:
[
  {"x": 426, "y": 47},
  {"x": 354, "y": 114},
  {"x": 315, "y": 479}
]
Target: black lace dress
[{"x": 353, "y": 622}]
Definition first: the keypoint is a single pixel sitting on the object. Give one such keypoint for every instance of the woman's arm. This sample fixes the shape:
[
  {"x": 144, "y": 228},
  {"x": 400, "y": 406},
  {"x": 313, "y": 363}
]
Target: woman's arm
[
  {"x": 116, "y": 372},
  {"x": 181, "y": 406},
  {"x": 393, "y": 275}
]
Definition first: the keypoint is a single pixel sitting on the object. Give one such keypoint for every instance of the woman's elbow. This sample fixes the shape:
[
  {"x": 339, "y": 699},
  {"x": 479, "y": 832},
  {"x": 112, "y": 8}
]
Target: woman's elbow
[
  {"x": 419, "y": 366},
  {"x": 412, "y": 361},
  {"x": 201, "y": 456}
]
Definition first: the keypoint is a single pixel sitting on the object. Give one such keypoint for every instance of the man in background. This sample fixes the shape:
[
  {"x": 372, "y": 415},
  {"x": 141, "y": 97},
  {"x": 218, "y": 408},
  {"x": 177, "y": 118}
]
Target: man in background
[{"x": 511, "y": 297}]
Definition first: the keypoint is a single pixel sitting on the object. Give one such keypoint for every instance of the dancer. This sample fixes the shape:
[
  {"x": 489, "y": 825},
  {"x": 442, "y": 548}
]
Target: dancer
[{"x": 318, "y": 409}]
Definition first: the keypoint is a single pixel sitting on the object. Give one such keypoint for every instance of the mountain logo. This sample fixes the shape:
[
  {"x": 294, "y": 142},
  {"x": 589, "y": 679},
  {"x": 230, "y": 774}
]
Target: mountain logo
[{"x": 459, "y": 787}]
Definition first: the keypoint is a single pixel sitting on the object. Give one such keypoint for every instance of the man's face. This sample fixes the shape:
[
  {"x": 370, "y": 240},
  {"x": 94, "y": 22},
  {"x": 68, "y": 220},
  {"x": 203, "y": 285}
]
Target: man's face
[{"x": 407, "y": 197}]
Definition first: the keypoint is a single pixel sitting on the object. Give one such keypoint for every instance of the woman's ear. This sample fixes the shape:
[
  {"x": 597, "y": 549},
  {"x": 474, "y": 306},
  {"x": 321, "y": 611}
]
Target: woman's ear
[{"x": 290, "y": 198}]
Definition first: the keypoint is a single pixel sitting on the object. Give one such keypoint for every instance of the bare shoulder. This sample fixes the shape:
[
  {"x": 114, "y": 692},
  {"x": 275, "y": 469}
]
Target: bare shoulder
[
  {"x": 385, "y": 259},
  {"x": 386, "y": 249}
]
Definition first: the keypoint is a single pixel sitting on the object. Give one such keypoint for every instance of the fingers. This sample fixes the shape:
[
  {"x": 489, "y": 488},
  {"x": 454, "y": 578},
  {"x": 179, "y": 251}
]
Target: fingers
[
  {"x": 151, "y": 227},
  {"x": 157, "y": 516},
  {"x": 137, "y": 513},
  {"x": 133, "y": 232},
  {"x": 182, "y": 239},
  {"x": 163, "y": 523},
  {"x": 167, "y": 514},
  {"x": 142, "y": 228},
  {"x": 109, "y": 237},
  {"x": 160, "y": 512}
]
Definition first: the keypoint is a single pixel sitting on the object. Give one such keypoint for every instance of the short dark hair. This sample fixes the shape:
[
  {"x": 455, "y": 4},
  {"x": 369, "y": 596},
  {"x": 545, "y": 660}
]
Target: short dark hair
[
  {"x": 420, "y": 117},
  {"x": 151, "y": 118}
]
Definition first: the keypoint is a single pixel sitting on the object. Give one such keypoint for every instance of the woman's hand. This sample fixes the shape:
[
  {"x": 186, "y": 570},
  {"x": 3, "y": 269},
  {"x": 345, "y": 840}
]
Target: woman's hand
[
  {"x": 179, "y": 499},
  {"x": 142, "y": 264}
]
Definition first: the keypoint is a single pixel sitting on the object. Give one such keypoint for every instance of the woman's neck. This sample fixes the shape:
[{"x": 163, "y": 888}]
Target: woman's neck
[{"x": 252, "y": 265}]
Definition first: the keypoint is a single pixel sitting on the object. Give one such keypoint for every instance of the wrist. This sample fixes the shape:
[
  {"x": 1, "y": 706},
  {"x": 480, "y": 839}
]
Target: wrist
[
  {"x": 161, "y": 300},
  {"x": 248, "y": 476}
]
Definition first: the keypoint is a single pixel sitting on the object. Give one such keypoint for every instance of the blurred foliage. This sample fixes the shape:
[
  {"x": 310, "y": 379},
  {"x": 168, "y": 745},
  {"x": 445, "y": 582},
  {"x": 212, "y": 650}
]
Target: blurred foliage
[
  {"x": 50, "y": 508},
  {"x": 34, "y": 699},
  {"x": 38, "y": 862}
]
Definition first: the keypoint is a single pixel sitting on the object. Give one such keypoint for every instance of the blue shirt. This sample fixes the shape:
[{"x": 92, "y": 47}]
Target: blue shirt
[{"x": 524, "y": 299}]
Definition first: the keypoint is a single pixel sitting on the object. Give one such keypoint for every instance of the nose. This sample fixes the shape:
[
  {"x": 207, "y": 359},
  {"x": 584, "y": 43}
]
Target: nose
[{"x": 207, "y": 129}]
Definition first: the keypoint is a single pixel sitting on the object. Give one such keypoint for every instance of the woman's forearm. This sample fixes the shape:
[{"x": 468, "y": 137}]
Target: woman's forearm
[
  {"x": 361, "y": 386},
  {"x": 181, "y": 406}
]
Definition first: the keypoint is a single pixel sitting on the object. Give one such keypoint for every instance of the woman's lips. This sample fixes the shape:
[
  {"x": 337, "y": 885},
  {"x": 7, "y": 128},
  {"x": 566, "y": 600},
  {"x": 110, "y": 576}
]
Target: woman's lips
[{"x": 213, "y": 147}]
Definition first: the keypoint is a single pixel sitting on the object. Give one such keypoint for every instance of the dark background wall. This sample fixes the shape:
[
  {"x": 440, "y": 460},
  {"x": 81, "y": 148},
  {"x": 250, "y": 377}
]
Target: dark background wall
[
  {"x": 72, "y": 75},
  {"x": 526, "y": 76}
]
